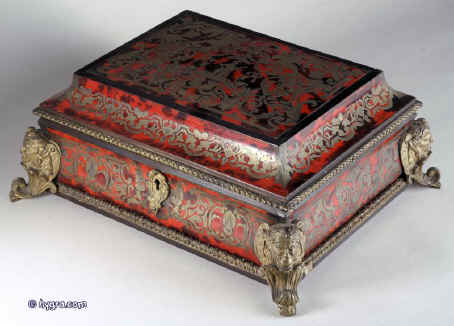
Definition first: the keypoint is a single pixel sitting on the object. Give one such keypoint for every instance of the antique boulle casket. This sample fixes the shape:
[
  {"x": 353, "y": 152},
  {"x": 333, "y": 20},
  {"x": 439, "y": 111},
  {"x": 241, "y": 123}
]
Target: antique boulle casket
[{"x": 255, "y": 153}]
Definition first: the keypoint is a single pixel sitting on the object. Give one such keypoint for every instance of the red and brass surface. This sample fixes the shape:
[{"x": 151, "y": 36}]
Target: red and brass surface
[{"x": 255, "y": 153}]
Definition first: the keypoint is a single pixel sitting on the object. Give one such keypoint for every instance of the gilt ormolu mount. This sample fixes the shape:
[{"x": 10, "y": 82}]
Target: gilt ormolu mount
[
  {"x": 414, "y": 151},
  {"x": 41, "y": 161},
  {"x": 255, "y": 153}
]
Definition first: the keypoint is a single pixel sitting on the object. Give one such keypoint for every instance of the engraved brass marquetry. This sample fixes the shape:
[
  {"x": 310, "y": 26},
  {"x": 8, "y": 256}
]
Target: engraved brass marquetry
[
  {"x": 223, "y": 256},
  {"x": 256, "y": 163},
  {"x": 158, "y": 189},
  {"x": 415, "y": 149},
  {"x": 41, "y": 160},
  {"x": 286, "y": 209},
  {"x": 280, "y": 249},
  {"x": 193, "y": 141}
]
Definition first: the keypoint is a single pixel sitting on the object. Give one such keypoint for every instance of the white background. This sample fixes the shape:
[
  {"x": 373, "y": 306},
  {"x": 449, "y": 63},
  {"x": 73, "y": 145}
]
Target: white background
[{"x": 396, "y": 270}]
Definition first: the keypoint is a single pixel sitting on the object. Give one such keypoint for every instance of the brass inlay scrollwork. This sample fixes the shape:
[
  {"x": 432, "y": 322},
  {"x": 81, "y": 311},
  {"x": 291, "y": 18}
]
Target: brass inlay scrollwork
[
  {"x": 41, "y": 160},
  {"x": 177, "y": 237},
  {"x": 255, "y": 162},
  {"x": 158, "y": 190},
  {"x": 285, "y": 208},
  {"x": 194, "y": 142},
  {"x": 280, "y": 249},
  {"x": 220, "y": 255},
  {"x": 341, "y": 128},
  {"x": 415, "y": 149}
]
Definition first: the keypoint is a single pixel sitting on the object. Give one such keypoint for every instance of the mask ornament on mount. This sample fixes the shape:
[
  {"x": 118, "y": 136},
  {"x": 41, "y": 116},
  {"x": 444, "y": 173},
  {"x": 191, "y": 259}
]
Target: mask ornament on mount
[
  {"x": 280, "y": 249},
  {"x": 415, "y": 149},
  {"x": 41, "y": 160}
]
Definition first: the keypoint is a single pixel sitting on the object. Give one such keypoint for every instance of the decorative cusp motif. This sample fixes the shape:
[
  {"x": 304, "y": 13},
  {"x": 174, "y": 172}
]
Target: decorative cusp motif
[
  {"x": 41, "y": 160},
  {"x": 280, "y": 249},
  {"x": 415, "y": 149}
]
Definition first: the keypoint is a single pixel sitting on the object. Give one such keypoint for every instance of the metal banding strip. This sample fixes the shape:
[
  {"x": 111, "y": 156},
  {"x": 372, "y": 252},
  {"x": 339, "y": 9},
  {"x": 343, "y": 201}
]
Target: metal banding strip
[
  {"x": 356, "y": 221},
  {"x": 174, "y": 236},
  {"x": 218, "y": 255},
  {"x": 349, "y": 161},
  {"x": 286, "y": 208},
  {"x": 157, "y": 157}
]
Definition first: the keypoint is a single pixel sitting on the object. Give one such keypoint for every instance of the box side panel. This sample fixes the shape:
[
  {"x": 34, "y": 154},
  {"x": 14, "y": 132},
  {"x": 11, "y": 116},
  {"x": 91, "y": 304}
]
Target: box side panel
[
  {"x": 331, "y": 207},
  {"x": 313, "y": 148},
  {"x": 211, "y": 217}
]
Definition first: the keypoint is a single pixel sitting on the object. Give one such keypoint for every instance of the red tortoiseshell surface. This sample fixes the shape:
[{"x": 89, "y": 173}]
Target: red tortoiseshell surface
[
  {"x": 251, "y": 160},
  {"x": 345, "y": 195},
  {"x": 231, "y": 75},
  {"x": 214, "y": 218},
  {"x": 265, "y": 112}
]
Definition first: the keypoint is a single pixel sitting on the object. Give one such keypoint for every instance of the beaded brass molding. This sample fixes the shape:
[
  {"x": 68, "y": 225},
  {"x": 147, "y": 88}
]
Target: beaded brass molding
[
  {"x": 393, "y": 127},
  {"x": 415, "y": 149},
  {"x": 356, "y": 221},
  {"x": 41, "y": 160},
  {"x": 256, "y": 163},
  {"x": 172, "y": 235},
  {"x": 221, "y": 256},
  {"x": 100, "y": 135},
  {"x": 282, "y": 260},
  {"x": 285, "y": 208}
]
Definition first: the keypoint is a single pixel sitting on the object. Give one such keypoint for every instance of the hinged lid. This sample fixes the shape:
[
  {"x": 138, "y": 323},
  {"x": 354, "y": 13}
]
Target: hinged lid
[{"x": 267, "y": 113}]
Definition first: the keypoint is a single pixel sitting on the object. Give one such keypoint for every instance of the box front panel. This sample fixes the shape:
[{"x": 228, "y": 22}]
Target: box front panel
[
  {"x": 211, "y": 217},
  {"x": 214, "y": 218}
]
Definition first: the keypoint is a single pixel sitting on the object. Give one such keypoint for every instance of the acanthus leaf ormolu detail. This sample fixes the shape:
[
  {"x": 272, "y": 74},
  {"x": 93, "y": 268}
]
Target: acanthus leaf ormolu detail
[
  {"x": 41, "y": 160},
  {"x": 280, "y": 249},
  {"x": 415, "y": 149}
]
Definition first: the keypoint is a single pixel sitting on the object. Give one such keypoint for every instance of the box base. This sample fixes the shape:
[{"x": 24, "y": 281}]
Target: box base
[
  {"x": 279, "y": 247},
  {"x": 219, "y": 256}
]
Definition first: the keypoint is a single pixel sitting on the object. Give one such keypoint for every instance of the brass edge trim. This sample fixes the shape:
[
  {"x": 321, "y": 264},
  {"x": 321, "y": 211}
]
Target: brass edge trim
[
  {"x": 356, "y": 221},
  {"x": 353, "y": 158},
  {"x": 158, "y": 158},
  {"x": 173, "y": 235},
  {"x": 291, "y": 205},
  {"x": 222, "y": 256}
]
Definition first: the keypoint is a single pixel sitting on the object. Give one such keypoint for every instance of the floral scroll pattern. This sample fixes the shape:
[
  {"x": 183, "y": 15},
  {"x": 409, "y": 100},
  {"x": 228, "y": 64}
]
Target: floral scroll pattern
[
  {"x": 194, "y": 142},
  {"x": 260, "y": 84},
  {"x": 209, "y": 216},
  {"x": 343, "y": 197},
  {"x": 341, "y": 128}
]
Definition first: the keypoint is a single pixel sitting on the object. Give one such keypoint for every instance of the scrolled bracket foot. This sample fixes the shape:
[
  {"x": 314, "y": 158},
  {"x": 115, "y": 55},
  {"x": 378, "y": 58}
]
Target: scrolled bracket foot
[
  {"x": 280, "y": 249},
  {"x": 415, "y": 149},
  {"x": 41, "y": 160}
]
